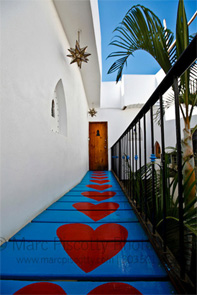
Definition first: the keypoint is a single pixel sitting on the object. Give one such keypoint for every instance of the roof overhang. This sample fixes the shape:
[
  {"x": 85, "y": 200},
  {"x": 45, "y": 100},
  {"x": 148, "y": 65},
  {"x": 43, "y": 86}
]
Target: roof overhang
[{"x": 77, "y": 16}]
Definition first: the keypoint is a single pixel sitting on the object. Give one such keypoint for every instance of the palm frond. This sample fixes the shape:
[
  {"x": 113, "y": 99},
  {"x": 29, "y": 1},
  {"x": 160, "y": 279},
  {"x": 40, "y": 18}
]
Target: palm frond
[
  {"x": 118, "y": 66},
  {"x": 168, "y": 98},
  {"x": 141, "y": 29}
]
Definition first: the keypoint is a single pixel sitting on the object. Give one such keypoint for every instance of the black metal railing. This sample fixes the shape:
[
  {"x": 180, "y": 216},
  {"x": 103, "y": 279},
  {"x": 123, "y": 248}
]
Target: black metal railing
[{"x": 149, "y": 180}]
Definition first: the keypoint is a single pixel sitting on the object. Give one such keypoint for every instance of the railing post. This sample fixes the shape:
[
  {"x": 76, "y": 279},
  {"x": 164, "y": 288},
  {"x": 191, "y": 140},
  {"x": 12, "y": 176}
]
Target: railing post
[
  {"x": 133, "y": 185},
  {"x": 153, "y": 171},
  {"x": 127, "y": 162},
  {"x": 116, "y": 162},
  {"x": 136, "y": 174},
  {"x": 180, "y": 178},
  {"x": 140, "y": 165},
  {"x": 120, "y": 160},
  {"x": 130, "y": 163},
  {"x": 123, "y": 159},
  {"x": 112, "y": 162},
  {"x": 164, "y": 184},
  {"x": 145, "y": 182}
]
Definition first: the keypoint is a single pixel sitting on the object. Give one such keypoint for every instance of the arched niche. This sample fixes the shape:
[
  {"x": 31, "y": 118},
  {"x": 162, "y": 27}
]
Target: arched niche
[{"x": 59, "y": 110}]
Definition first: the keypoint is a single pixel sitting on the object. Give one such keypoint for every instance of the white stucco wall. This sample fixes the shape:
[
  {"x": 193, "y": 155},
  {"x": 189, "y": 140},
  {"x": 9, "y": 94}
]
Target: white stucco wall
[
  {"x": 132, "y": 90},
  {"x": 170, "y": 138},
  {"x": 137, "y": 89},
  {"x": 38, "y": 165},
  {"x": 159, "y": 76},
  {"x": 111, "y": 95}
]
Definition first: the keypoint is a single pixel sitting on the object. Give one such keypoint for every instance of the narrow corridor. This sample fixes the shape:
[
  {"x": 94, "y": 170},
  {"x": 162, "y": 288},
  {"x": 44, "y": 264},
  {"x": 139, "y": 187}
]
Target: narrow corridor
[{"x": 88, "y": 242}]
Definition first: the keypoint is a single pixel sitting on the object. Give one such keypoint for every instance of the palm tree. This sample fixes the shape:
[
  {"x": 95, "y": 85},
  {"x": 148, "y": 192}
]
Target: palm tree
[{"x": 141, "y": 29}]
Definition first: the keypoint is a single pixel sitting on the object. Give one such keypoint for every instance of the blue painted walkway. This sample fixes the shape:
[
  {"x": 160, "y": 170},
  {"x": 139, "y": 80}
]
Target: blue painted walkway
[{"x": 88, "y": 242}]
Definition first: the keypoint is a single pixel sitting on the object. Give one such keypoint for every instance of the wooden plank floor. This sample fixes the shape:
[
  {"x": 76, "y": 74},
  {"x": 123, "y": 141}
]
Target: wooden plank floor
[{"x": 88, "y": 242}]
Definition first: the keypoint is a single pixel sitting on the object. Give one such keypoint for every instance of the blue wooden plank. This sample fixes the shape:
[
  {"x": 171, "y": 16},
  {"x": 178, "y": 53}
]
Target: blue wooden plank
[
  {"x": 108, "y": 173},
  {"x": 80, "y": 260},
  {"x": 47, "y": 232},
  {"x": 101, "y": 172},
  {"x": 111, "y": 176},
  {"x": 103, "y": 177},
  {"x": 77, "y": 216},
  {"x": 87, "y": 179},
  {"x": 69, "y": 205},
  {"x": 83, "y": 188},
  {"x": 84, "y": 288},
  {"x": 99, "y": 176},
  {"x": 79, "y": 193},
  {"x": 99, "y": 181},
  {"x": 99, "y": 187},
  {"x": 80, "y": 198},
  {"x": 96, "y": 174},
  {"x": 112, "y": 184}
]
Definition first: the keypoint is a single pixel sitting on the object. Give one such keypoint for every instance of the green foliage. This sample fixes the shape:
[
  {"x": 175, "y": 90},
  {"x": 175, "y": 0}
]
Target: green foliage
[
  {"x": 182, "y": 33},
  {"x": 141, "y": 29},
  {"x": 141, "y": 182},
  {"x": 182, "y": 41},
  {"x": 168, "y": 99}
]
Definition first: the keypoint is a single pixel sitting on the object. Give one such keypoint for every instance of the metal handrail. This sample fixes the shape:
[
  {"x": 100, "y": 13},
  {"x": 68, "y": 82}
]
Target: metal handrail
[{"x": 120, "y": 158}]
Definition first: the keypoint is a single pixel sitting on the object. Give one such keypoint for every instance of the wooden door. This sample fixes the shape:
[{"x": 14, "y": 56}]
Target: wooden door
[{"x": 98, "y": 147}]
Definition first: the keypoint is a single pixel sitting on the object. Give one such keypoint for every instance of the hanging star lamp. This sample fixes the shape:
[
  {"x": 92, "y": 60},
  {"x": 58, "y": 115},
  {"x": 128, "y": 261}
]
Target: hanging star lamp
[
  {"x": 92, "y": 112},
  {"x": 78, "y": 54}
]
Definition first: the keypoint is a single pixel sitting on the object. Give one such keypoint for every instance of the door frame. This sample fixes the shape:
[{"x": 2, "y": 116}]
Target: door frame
[{"x": 97, "y": 122}]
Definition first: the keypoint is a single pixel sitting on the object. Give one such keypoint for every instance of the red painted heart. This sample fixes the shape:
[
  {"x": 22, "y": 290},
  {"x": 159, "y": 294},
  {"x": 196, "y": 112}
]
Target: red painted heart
[
  {"x": 100, "y": 181},
  {"x": 96, "y": 207},
  {"x": 99, "y": 177},
  {"x": 92, "y": 253},
  {"x": 99, "y": 196},
  {"x": 98, "y": 211},
  {"x": 99, "y": 187},
  {"x": 115, "y": 289},
  {"x": 79, "y": 232},
  {"x": 41, "y": 288}
]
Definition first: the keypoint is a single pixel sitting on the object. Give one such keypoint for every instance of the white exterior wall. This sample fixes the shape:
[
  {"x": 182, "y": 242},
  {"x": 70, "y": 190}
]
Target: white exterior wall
[
  {"x": 170, "y": 136},
  {"x": 111, "y": 95},
  {"x": 132, "y": 90},
  {"x": 160, "y": 76},
  {"x": 137, "y": 89},
  {"x": 38, "y": 165}
]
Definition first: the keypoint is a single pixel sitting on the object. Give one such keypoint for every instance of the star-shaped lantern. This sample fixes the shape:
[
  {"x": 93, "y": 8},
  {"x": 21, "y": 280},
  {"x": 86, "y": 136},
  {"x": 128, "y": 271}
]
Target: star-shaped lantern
[
  {"x": 92, "y": 112},
  {"x": 78, "y": 54}
]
